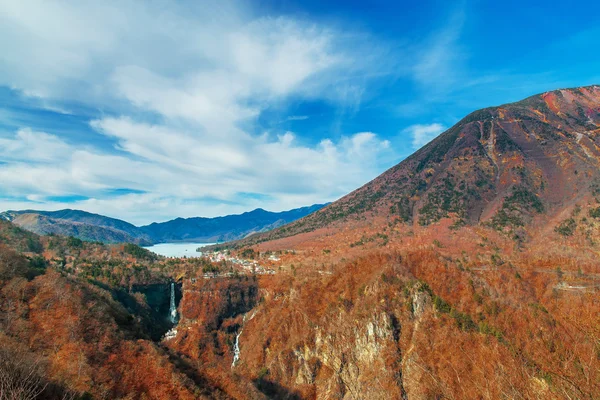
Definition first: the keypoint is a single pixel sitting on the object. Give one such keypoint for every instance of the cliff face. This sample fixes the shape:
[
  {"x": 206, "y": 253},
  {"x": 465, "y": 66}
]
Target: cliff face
[
  {"x": 211, "y": 314},
  {"x": 288, "y": 350},
  {"x": 211, "y": 301},
  {"x": 425, "y": 322},
  {"x": 342, "y": 358},
  {"x": 154, "y": 315},
  {"x": 350, "y": 341}
]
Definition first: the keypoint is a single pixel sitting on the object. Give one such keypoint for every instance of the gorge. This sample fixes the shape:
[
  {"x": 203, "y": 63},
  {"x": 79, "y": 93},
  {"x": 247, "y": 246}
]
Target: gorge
[
  {"x": 462, "y": 272},
  {"x": 299, "y": 200}
]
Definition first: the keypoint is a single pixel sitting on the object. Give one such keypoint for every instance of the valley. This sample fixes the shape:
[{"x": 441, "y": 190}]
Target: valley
[
  {"x": 468, "y": 271},
  {"x": 299, "y": 200}
]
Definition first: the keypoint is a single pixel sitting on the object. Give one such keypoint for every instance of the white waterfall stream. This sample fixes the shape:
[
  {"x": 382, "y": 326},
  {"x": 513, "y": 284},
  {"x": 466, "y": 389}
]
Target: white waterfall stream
[
  {"x": 173, "y": 308},
  {"x": 236, "y": 348},
  {"x": 236, "y": 345},
  {"x": 172, "y": 333}
]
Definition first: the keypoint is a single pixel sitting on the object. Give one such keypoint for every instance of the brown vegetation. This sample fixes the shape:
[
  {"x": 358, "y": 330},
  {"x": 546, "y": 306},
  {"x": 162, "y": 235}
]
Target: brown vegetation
[{"x": 469, "y": 271}]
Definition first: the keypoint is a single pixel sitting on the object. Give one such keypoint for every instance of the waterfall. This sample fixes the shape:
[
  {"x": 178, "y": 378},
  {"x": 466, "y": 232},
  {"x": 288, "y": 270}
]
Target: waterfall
[
  {"x": 236, "y": 349},
  {"x": 172, "y": 308},
  {"x": 236, "y": 345}
]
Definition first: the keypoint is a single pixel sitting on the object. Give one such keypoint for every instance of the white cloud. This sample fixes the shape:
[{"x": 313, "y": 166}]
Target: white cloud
[
  {"x": 28, "y": 145},
  {"x": 423, "y": 134},
  {"x": 209, "y": 56},
  {"x": 181, "y": 89},
  {"x": 181, "y": 174}
]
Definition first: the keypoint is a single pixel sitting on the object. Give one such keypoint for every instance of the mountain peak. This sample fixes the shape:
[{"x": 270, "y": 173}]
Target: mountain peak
[
  {"x": 257, "y": 210},
  {"x": 219, "y": 229},
  {"x": 506, "y": 166}
]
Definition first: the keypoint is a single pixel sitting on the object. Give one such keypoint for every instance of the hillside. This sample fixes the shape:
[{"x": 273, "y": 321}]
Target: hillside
[
  {"x": 468, "y": 271},
  {"x": 82, "y": 320},
  {"x": 79, "y": 224},
  {"x": 222, "y": 229},
  {"x": 514, "y": 167},
  {"x": 19, "y": 239}
]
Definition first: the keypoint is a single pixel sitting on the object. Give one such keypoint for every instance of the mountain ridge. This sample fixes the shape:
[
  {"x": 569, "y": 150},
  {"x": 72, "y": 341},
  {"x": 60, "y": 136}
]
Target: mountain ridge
[
  {"x": 225, "y": 228},
  {"x": 81, "y": 224},
  {"x": 96, "y": 227},
  {"x": 469, "y": 270}
]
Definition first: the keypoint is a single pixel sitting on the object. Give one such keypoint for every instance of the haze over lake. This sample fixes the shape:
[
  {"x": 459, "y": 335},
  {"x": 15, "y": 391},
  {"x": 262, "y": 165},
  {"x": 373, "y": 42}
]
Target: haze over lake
[{"x": 177, "y": 249}]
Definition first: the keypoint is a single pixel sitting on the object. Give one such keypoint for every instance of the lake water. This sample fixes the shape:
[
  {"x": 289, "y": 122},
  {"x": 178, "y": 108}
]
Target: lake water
[{"x": 177, "y": 249}]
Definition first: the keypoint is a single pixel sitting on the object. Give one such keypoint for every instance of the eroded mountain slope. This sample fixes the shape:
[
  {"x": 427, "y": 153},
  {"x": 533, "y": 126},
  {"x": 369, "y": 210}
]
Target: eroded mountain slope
[{"x": 508, "y": 166}]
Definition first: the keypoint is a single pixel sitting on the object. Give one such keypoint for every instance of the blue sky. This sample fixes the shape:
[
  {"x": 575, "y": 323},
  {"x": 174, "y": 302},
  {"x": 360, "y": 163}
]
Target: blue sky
[{"x": 150, "y": 110}]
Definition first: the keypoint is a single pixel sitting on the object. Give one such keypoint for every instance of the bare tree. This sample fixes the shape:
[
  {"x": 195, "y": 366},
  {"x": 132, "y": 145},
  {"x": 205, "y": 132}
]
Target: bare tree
[{"x": 20, "y": 377}]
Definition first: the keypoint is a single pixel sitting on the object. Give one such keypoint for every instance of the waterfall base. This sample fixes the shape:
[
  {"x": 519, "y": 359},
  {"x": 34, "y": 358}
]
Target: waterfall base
[{"x": 171, "y": 334}]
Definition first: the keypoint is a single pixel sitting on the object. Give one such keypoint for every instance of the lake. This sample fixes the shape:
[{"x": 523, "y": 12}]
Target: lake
[{"x": 177, "y": 249}]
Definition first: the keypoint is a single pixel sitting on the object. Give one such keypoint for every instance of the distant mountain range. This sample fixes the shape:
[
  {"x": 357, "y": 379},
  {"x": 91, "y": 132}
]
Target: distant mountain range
[
  {"x": 220, "y": 229},
  {"x": 94, "y": 227}
]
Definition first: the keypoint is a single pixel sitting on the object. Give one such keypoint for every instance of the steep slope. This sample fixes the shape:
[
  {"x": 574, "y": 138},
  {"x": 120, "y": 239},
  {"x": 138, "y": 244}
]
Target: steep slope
[
  {"x": 432, "y": 297},
  {"x": 513, "y": 167},
  {"x": 82, "y": 320},
  {"x": 225, "y": 228},
  {"x": 470, "y": 270},
  {"x": 19, "y": 239},
  {"x": 80, "y": 224}
]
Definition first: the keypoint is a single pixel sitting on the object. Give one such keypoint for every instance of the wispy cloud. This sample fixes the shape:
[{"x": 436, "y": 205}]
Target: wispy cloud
[
  {"x": 440, "y": 61},
  {"x": 176, "y": 97},
  {"x": 423, "y": 134},
  {"x": 181, "y": 108},
  {"x": 30, "y": 146},
  {"x": 297, "y": 118},
  {"x": 168, "y": 172}
]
